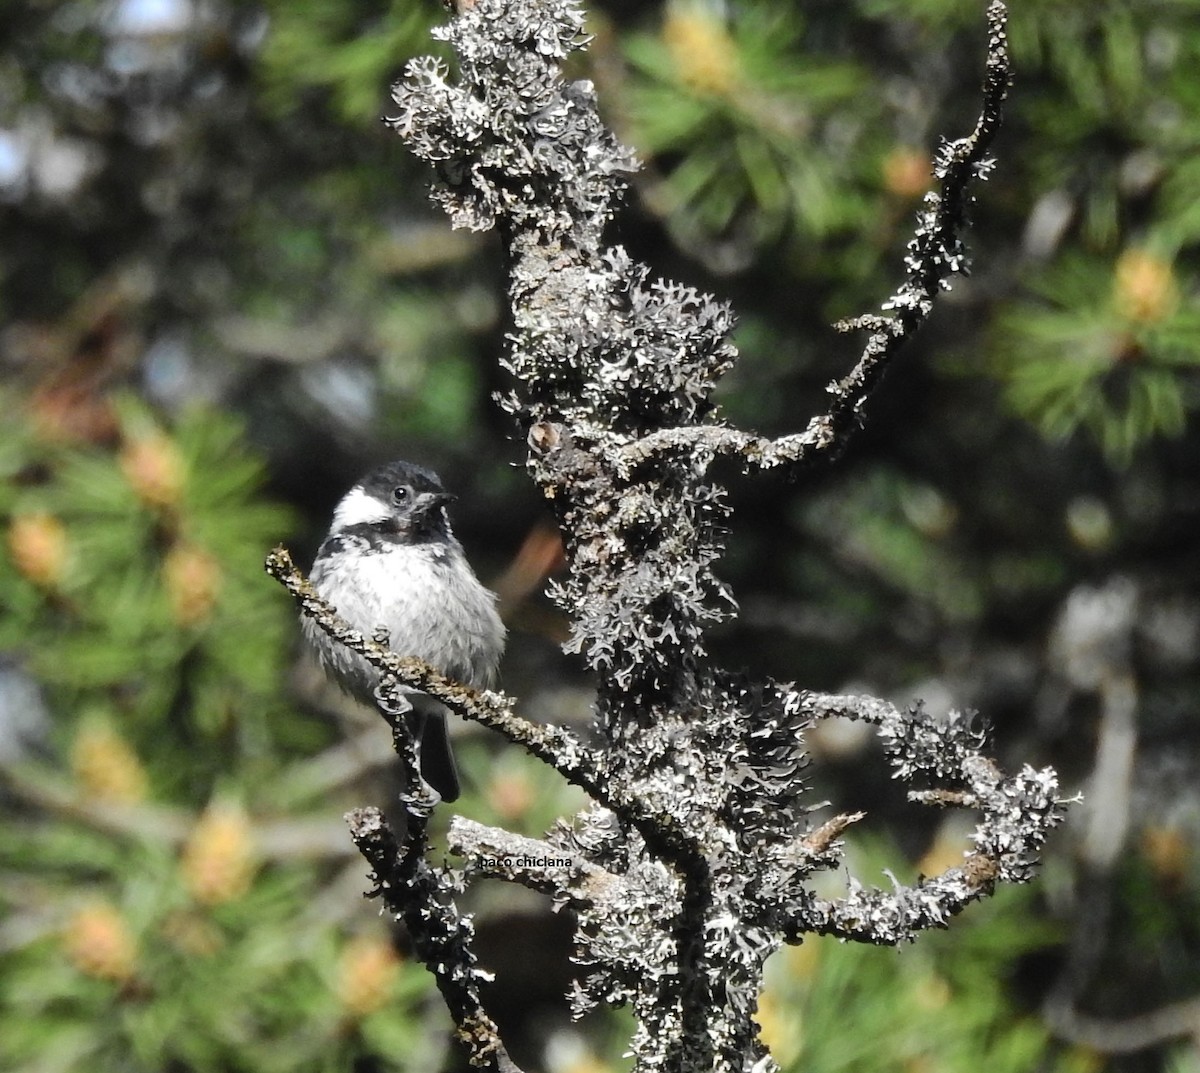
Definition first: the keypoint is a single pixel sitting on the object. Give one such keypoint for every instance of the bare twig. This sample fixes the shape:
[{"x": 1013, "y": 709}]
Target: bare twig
[{"x": 1124, "y": 1035}]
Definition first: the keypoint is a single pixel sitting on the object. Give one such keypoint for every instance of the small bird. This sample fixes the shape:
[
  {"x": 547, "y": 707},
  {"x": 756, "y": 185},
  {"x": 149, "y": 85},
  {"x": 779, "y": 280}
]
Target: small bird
[{"x": 391, "y": 561}]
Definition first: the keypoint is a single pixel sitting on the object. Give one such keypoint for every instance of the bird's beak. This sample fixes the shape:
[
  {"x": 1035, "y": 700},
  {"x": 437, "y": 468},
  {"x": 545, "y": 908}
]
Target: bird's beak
[{"x": 428, "y": 502}]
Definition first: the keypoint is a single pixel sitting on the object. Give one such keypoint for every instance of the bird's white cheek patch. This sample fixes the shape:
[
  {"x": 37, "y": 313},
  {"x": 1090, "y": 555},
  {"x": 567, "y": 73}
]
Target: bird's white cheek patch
[{"x": 358, "y": 508}]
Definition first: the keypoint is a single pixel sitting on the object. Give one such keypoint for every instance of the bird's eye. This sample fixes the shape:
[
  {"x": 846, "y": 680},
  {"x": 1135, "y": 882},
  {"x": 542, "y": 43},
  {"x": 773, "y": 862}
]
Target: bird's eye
[{"x": 400, "y": 494}]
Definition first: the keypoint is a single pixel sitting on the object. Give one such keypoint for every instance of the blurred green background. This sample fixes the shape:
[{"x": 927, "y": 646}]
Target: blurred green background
[{"x": 223, "y": 295}]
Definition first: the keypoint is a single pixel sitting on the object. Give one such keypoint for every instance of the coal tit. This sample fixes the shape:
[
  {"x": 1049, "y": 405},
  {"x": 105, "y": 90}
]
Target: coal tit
[{"x": 390, "y": 560}]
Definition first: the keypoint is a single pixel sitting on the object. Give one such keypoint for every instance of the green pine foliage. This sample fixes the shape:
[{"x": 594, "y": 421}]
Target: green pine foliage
[
  {"x": 764, "y": 127},
  {"x": 756, "y": 137},
  {"x": 338, "y": 54},
  {"x": 154, "y": 917},
  {"x": 153, "y": 604},
  {"x": 1110, "y": 349}
]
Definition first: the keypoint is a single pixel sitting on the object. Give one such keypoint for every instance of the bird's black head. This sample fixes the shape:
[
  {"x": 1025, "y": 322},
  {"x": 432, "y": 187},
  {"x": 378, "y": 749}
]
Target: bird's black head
[{"x": 400, "y": 500}]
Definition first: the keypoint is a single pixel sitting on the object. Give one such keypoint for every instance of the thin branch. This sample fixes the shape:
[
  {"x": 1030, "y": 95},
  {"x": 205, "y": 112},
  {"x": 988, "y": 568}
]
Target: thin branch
[
  {"x": 935, "y": 254},
  {"x": 1128, "y": 1034},
  {"x": 494, "y": 853},
  {"x": 555, "y": 745},
  {"x": 418, "y": 894},
  {"x": 1018, "y": 813},
  {"x": 564, "y": 751}
]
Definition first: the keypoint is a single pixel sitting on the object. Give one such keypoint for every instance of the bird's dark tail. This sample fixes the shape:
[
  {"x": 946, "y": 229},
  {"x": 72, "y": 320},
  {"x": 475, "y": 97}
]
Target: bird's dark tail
[{"x": 427, "y": 721}]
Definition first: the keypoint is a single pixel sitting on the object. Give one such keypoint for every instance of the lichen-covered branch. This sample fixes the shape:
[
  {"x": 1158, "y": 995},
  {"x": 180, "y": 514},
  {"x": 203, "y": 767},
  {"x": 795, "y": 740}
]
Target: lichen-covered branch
[
  {"x": 936, "y": 254},
  {"x": 568, "y": 878},
  {"x": 694, "y": 863},
  {"x": 421, "y": 896},
  {"x": 1018, "y": 813},
  {"x": 556, "y": 745}
]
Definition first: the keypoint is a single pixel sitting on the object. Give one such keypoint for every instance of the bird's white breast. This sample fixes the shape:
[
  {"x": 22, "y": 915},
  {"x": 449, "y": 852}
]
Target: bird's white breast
[{"x": 425, "y": 596}]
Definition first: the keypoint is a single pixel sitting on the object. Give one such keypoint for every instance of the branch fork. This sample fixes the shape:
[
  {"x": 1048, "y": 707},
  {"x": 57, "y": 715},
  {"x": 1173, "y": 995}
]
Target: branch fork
[{"x": 691, "y": 866}]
